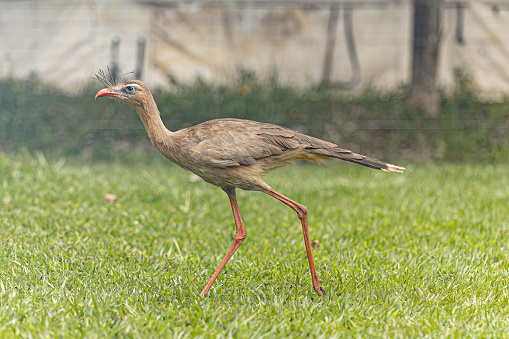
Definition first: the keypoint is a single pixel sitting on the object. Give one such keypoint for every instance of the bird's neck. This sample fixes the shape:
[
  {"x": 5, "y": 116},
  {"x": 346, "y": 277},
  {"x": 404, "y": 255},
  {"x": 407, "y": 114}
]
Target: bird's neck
[{"x": 151, "y": 118}]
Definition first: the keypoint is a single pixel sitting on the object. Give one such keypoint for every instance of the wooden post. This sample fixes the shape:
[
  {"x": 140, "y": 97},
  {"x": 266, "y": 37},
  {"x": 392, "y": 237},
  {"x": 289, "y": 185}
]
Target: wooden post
[
  {"x": 115, "y": 57},
  {"x": 331, "y": 42},
  {"x": 140, "y": 57},
  {"x": 427, "y": 18}
]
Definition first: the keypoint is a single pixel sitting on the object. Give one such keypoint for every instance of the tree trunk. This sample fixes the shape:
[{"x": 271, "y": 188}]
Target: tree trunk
[{"x": 427, "y": 16}]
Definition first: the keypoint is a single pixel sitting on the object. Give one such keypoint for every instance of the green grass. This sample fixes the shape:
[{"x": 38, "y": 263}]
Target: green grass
[{"x": 401, "y": 255}]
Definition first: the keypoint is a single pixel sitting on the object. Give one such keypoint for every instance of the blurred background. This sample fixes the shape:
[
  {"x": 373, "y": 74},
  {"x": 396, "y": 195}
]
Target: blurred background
[{"x": 400, "y": 79}]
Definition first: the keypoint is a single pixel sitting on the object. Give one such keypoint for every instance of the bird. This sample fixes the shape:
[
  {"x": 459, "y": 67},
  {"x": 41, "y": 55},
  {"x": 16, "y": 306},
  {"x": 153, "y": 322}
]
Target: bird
[{"x": 234, "y": 154}]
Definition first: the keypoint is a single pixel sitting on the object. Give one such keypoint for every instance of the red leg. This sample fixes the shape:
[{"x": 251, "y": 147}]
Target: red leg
[
  {"x": 302, "y": 212},
  {"x": 239, "y": 237}
]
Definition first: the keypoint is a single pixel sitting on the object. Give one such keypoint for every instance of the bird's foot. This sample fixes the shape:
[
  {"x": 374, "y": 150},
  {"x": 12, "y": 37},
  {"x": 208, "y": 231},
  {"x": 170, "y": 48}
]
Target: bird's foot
[{"x": 318, "y": 288}]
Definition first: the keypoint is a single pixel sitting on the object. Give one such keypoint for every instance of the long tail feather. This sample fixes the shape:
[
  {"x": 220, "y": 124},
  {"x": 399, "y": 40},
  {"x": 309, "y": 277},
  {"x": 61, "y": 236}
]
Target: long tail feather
[{"x": 357, "y": 158}]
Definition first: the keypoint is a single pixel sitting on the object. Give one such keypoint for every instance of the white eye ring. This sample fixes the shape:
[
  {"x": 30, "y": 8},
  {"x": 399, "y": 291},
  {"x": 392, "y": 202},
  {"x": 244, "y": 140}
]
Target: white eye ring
[{"x": 130, "y": 89}]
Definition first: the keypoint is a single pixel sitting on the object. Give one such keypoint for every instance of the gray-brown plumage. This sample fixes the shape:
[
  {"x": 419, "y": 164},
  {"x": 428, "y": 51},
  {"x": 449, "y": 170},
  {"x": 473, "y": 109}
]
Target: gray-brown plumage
[{"x": 234, "y": 153}]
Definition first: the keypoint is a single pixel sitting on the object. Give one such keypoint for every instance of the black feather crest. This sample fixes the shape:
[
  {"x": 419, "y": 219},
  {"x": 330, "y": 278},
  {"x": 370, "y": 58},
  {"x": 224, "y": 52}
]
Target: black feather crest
[{"x": 110, "y": 79}]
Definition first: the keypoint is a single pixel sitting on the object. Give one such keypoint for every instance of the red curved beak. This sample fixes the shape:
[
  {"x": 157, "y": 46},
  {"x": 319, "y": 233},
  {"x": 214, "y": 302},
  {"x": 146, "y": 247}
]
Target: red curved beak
[{"x": 105, "y": 92}]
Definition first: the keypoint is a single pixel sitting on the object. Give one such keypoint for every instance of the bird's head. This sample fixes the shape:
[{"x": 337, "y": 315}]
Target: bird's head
[{"x": 133, "y": 92}]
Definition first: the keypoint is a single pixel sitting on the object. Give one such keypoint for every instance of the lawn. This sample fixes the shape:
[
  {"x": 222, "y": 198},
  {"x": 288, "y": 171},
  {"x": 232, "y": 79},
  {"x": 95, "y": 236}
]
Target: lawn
[{"x": 401, "y": 255}]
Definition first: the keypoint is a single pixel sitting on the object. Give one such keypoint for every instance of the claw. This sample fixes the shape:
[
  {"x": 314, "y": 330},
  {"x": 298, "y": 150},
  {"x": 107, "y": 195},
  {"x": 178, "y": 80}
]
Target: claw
[{"x": 319, "y": 289}]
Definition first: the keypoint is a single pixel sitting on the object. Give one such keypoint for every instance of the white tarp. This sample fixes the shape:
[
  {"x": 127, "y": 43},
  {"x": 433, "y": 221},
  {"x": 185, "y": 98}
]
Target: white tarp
[{"x": 66, "y": 42}]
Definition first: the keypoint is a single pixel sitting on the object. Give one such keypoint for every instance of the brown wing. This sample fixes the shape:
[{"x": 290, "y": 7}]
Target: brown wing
[{"x": 235, "y": 142}]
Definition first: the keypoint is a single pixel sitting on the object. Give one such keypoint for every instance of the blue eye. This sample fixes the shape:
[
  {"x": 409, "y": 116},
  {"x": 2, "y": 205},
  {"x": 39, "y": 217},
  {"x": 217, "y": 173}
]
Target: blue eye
[{"x": 130, "y": 89}]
